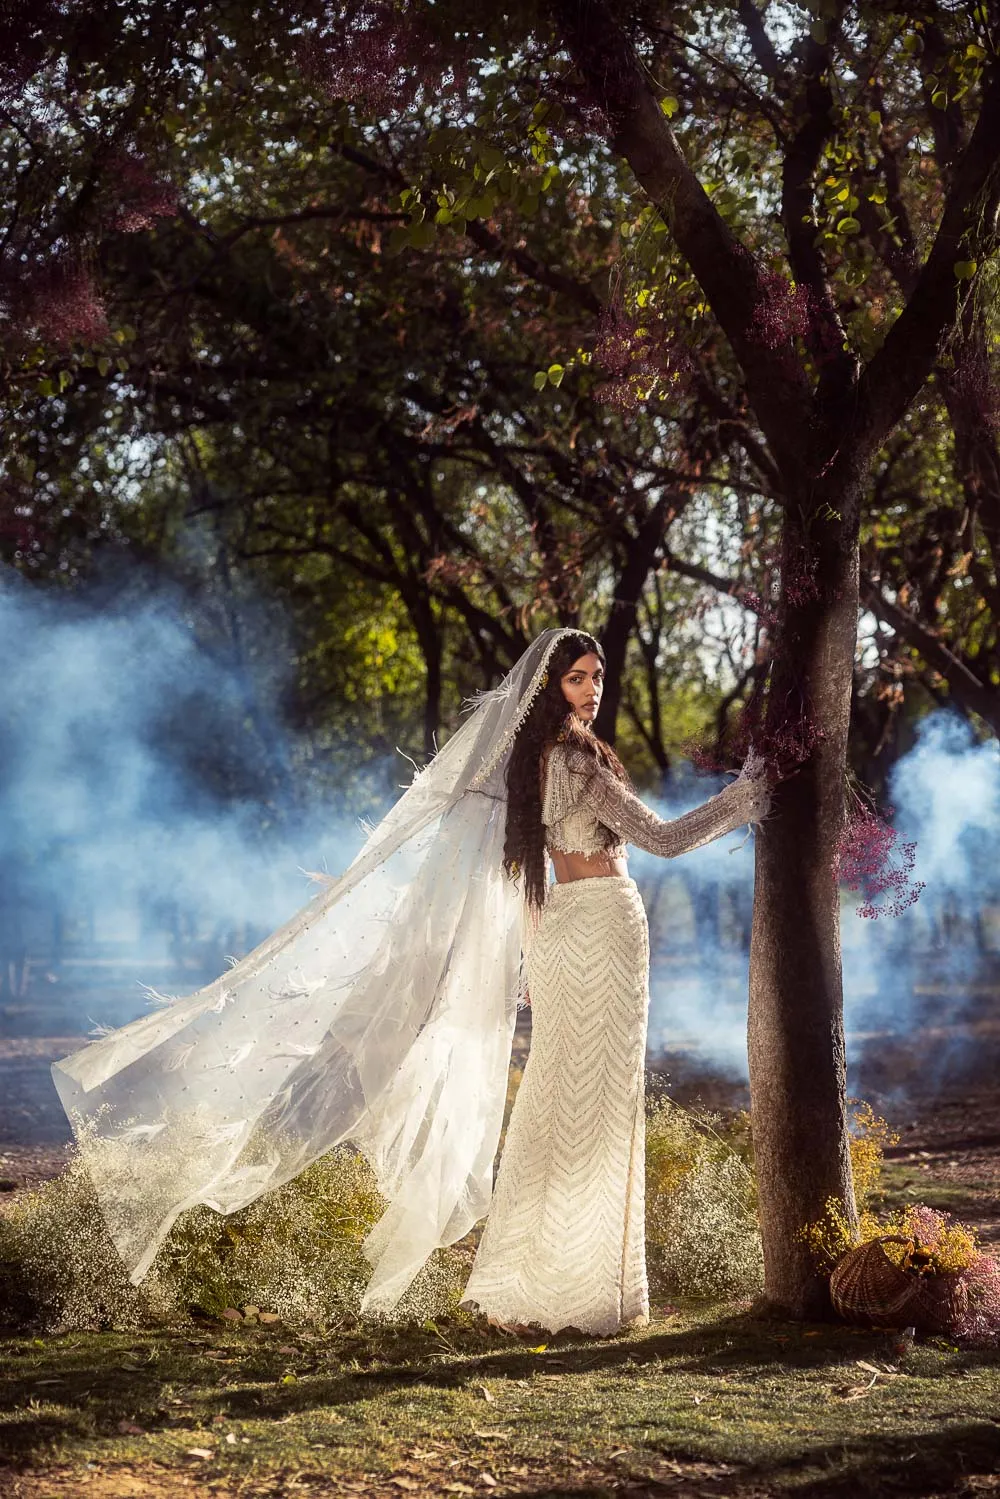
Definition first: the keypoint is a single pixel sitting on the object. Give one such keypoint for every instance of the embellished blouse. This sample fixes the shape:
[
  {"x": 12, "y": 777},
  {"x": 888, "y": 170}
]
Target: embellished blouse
[{"x": 586, "y": 809}]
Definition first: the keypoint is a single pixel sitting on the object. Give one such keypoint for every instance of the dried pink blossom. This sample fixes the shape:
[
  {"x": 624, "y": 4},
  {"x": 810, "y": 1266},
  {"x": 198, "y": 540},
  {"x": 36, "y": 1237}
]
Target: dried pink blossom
[
  {"x": 783, "y": 311},
  {"x": 63, "y": 304},
  {"x": 380, "y": 54},
  {"x": 981, "y": 1323},
  {"x": 871, "y": 857},
  {"x": 142, "y": 197},
  {"x": 640, "y": 357}
]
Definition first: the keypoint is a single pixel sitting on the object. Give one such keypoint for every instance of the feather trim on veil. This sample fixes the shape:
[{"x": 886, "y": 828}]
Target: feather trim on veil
[{"x": 381, "y": 1014}]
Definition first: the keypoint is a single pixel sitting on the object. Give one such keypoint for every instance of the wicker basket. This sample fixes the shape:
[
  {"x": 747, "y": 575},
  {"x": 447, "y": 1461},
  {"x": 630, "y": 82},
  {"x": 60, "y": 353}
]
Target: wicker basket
[{"x": 867, "y": 1287}]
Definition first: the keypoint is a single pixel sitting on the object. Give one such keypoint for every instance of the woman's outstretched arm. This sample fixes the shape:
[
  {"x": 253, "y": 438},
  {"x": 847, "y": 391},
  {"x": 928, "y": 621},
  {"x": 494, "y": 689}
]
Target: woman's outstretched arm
[{"x": 745, "y": 800}]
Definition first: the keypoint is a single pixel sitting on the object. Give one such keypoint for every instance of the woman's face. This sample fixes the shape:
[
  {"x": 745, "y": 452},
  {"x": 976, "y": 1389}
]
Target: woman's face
[{"x": 582, "y": 686}]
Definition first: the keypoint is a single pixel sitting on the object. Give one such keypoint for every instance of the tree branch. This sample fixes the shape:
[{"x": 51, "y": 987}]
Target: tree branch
[
  {"x": 965, "y": 686},
  {"x": 967, "y": 231},
  {"x": 814, "y": 101},
  {"x": 725, "y": 269}
]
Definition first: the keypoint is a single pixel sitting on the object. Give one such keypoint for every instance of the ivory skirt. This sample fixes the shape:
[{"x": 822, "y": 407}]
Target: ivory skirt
[{"x": 564, "y": 1243}]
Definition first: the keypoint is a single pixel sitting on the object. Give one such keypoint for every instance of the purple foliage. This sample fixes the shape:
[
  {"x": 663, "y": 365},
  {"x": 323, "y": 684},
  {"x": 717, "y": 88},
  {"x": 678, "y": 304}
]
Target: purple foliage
[
  {"x": 63, "y": 304},
  {"x": 141, "y": 195},
  {"x": 871, "y": 857},
  {"x": 379, "y": 55},
  {"x": 981, "y": 1323},
  {"x": 637, "y": 356},
  {"x": 783, "y": 311}
]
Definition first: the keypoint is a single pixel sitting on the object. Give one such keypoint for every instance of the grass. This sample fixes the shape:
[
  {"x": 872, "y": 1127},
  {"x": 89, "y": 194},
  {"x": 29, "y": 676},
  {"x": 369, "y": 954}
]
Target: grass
[{"x": 706, "y": 1399}]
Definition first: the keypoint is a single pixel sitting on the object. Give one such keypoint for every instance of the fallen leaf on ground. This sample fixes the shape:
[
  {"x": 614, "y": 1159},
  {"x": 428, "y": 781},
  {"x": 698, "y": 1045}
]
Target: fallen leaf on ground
[
  {"x": 268, "y": 1317},
  {"x": 405, "y": 1483},
  {"x": 488, "y": 1479},
  {"x": 487, "y": 1395},
  {"x": 199, "y": 1452},
  {"x": 232, "y": 1315},
  {"x": 129, "y": 1429}
]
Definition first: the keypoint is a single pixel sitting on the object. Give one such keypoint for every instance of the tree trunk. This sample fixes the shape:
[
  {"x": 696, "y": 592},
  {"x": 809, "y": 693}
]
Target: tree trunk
[
  {"x": 795, "y": 1026},
  {"x": 640, "y": 558}
]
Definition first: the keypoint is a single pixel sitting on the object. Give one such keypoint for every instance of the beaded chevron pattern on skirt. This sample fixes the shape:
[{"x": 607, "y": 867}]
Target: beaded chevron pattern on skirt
[{"x": 564, "y": 1243}]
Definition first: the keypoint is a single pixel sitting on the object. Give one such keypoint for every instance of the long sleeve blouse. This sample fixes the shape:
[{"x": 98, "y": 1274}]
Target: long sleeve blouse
[{"x": 586, "y": 809}]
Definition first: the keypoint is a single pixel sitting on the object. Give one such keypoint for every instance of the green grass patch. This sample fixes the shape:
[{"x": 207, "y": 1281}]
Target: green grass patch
[
  {"x": 751, "y": 1407},
  {"x": 900, "y": 1185}
]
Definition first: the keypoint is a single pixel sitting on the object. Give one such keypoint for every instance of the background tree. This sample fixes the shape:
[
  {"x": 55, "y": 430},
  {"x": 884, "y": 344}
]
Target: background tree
[{"x": 762, "y": 239}]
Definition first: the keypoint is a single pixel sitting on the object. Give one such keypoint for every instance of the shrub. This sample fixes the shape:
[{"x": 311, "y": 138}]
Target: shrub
[
  {"x": 296, "y": 1251},
  {"x": 702, "y": 1234}
]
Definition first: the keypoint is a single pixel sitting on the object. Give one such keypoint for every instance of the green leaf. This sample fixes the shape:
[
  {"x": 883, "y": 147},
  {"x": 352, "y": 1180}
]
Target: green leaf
[
  {"x": 877, "y": 195},
  {"x": 965, "y": 269},
  {"x": 939, "y": 98},
  {"x": 398, "y": 239},
  {"x": 541, "y": 379},
  {"x": 421, "y": 235},
  {"x": 741, "y": 160},
  {"x": 65, "y": 379},
  {"x": 670, "y": 106},
  {"x": 555, "y": 373},
  {"x": 47, "y": 387},
  {"x": 974, "y": 50},
  {"x": 849, "y": 226},
  {"x": 642, "y": 300}
]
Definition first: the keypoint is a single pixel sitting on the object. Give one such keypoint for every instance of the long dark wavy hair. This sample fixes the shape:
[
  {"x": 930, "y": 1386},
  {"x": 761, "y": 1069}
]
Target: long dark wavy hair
[{"x": 550, "y": 718}]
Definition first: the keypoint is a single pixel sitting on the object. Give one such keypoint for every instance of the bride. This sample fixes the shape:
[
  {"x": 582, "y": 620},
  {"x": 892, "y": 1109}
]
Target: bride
[{"x": 383, "y": 1013}]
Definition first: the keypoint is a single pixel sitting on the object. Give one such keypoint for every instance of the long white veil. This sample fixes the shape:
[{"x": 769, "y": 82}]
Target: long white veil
[{"x": 382, "y": 1014}]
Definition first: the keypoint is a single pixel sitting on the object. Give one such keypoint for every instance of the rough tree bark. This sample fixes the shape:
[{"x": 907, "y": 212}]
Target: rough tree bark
[{"x": 823, "y": 439}]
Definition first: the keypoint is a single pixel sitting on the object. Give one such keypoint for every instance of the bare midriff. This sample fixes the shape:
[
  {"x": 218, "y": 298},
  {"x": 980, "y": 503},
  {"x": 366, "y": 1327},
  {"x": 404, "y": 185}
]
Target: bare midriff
[{"x": 586, "y": 866}]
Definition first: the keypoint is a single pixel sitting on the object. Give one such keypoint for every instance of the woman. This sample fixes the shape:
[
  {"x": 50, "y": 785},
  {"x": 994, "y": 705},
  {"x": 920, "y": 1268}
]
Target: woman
[
  {"x": 383, "y": 1012},
  {"x": 564, "y": 1243}
]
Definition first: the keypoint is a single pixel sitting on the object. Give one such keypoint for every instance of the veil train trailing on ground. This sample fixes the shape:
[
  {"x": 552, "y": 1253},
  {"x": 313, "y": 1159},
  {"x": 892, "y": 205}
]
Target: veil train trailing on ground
[{"x": 381, "y": 1014}]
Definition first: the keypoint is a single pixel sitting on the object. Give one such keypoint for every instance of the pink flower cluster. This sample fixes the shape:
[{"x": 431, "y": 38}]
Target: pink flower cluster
[
  {"x": 637, "y": 357},
  {"x": 782, "y": 747},
  {"x": 142, "y": 196},
  {"x": 379, "y": 56},
  {"x": 783, "y": 311},
  {"x": 981, "y": 1323},
  {"x": 871, "y": 857},
  {"x": 63, "y": 304}
]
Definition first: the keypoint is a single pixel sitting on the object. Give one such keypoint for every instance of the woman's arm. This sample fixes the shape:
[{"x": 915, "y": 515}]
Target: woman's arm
[{"x": 745, "y": 800}]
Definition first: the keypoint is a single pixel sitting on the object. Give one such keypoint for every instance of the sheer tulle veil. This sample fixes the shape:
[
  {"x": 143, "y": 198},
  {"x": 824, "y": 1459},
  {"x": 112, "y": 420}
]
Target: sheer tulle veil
[{"x": 381, "y": 1014}]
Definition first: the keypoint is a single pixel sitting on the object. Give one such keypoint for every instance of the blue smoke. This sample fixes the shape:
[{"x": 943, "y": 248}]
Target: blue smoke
[
  {"x": 922, "y": 967},
  {"x": 155, "y": 814}
]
